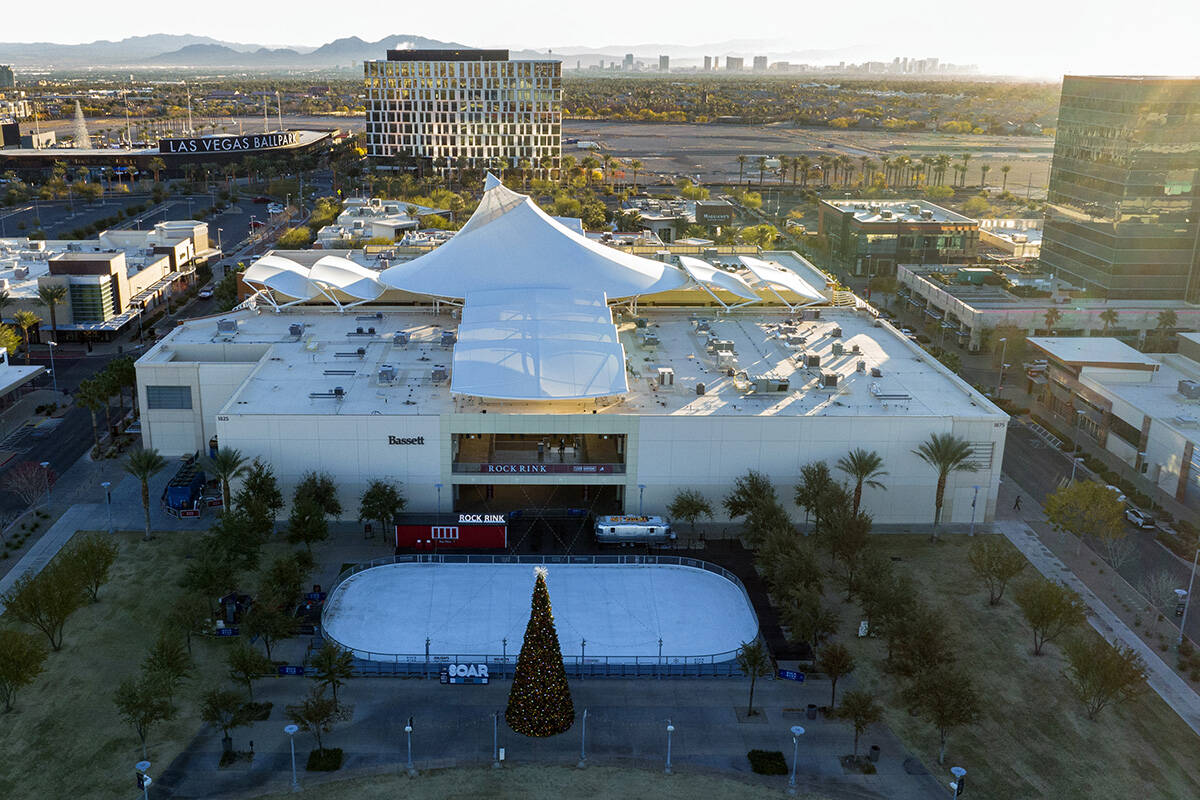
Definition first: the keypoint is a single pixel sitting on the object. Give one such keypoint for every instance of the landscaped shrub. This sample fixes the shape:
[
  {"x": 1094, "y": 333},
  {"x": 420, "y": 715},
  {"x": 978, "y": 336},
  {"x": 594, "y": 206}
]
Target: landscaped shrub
[
  {"x": 767, "y": 762},
  {"x": 330, "y": 759}
]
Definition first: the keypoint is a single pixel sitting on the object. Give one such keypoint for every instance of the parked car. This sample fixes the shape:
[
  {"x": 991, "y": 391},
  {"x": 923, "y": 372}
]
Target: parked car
[
  {"x": 205, "y": 293},
  {"x": 1121, "y": 498},
  {"x": 1139, "y": 518},
  {"x": 275, "y": 208},
  {"x": 262, "y": 199}
]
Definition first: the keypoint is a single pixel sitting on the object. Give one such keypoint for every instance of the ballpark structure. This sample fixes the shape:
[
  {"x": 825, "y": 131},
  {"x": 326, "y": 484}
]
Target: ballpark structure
[
  {"x": 464, "y": 108},
  {"x": 523, "y": 366}
]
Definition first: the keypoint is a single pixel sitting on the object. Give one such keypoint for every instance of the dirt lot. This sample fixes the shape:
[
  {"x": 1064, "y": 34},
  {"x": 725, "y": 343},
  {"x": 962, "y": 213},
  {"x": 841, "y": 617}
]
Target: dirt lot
[{"x": 711, "y": 151}]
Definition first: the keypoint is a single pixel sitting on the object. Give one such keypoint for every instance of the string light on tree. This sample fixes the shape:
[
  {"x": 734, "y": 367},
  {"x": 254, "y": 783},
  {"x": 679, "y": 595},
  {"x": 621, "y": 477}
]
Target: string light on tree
[{"x": 539, "y": 703}]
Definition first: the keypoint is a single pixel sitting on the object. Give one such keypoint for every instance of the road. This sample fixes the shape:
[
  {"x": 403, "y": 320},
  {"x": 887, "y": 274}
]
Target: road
[{"x": 1039, "y": 468}]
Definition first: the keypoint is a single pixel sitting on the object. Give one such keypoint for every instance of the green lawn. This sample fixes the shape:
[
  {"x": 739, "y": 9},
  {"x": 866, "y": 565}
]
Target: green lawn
[
  {"x": 65, "y": 728},
  {"x": 1035, "y": 739},
  {"x": 540, "y": 783}
]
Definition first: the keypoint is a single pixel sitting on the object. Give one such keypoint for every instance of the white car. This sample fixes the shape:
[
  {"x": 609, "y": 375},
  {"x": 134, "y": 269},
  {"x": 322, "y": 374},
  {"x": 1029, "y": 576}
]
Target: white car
[
  {"x": 275, "y": 208},
  {"x": 1139, "y": 518},
  {"x": 205, "y": 293},
  {"x": 1121, "y": 498}
]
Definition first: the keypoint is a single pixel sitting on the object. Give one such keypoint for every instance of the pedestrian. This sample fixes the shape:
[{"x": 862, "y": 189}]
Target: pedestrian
[{"x": 1017, "y": 503}]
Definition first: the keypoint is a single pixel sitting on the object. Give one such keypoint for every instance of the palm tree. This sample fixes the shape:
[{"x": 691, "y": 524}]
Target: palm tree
[
  {"x": 785, "y": 163},
  {"x": 144, "y": 464},
  {"x": 965, "y": 158},
  {"x": 1108, "y": 317},
  {"x": 741, "y": 159},
  {"x": 1167, "y": 320},
  {"x": 25, "y": 320},
  {"x": 50, "y": 297},
  {"x": 762, "y": 168},
  {"x": 227, "y": 465},
  {"x": 805, "y": 165},
  {"x": 157, "y": 165},
  {"x": 983, "y": 171},
  {"x": 887, "y": 168},
  {"x": 1004, "y": 185},
  {"x": 863, "y": 467},
  {"x": 635, "y": 165},
  {"x": 946, "y": 453},
  {"x": 1052, "y": 318},
  {"x": 943, "y": 163},
  {"x": 89, "y": 395}
]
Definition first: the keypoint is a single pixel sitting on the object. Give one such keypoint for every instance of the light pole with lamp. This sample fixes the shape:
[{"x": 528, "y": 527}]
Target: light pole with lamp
[
  {"x": 438, "y": 486},
  {"x": 641, "y": 496},
  {"x": 797, "y": 732},
  {"x": 1003, "y": 352},
  {"x": 1188, "y": 598},
  {"x": 412, "y": 771},
  {"x": 291, "y": 730},
  {"x": 959, "y": 784},
  {"x": 107, "y": 486},
  {"x": 1075, "y": 462},
  {"x": 45, "y": 465},
  {"x": 670, "y": 730},
  {"x": 53, "y": 374},
  {"x": 143, "y": 779},
  {"x": 583, "y": 742}
]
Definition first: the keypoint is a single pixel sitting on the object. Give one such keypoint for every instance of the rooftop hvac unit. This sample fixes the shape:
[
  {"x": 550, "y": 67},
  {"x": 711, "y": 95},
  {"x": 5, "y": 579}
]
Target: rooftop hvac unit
[
  {"x": 359, "y": 330},
  {"x": 914, "y": 208},
  {"x": 371, "y": 331},
  {"x": 812, "y": 360},
  {"x": 861, "y": 366},
  {"x": 339, "y": 392},
  {"x": 387, "y": 373},
  {"x": 227, "y": 326},
  {"x": 438, "y": 374},
  {"x": 1189, "y": 389},
  {"x": 703, "y": 326},
  {"x": 856, "y": 349},
  {"x": 796, "y": 340},
  {"x": 650, "y": 340},
  {"x": 838, "y": 349},
  {"x": 295, "y": 329},
  {"x": 361, "y": 352},
  {"x": 829, "y": 380},
  {"x": 448, "y": 338},
  {"x": 21, "y": 273},
  {"x": 812, "y": 313},
  {"x": 885, "y": 214},
  {"x": 666, "y": 376},
  {"x": 400, "y": 339},
  {"x": 927, "y": 214},
  {"x": 876, "y": 372},
  {"x": 767, "y": 383},
  {"x": 699, "y": 388},
  {"x": 836, "y": 333}
]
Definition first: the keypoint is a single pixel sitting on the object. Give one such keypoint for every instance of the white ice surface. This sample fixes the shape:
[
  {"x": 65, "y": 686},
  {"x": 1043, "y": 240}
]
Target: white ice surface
[{"x": 467, "y": 609}]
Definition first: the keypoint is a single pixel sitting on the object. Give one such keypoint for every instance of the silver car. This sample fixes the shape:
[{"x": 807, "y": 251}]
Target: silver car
[{"x": 1139, "y": 518}]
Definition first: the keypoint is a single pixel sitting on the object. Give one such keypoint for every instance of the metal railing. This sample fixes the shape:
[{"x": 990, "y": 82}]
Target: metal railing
[{"x": 370, "y": 663}]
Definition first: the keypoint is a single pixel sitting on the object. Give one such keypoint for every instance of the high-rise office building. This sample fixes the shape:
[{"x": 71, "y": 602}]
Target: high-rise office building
[
  {"x": 452, "y": 108},
  {"x": 734, "y": 64},
  {"x": 1123, "y": 214},
  {"x": 708, "y": 62},
  {"x": 7, "y": 79},
  {"x": 664, "y": 63},
  {"x": 760, "y": 63},
  {"x": 627, "y": 64}
]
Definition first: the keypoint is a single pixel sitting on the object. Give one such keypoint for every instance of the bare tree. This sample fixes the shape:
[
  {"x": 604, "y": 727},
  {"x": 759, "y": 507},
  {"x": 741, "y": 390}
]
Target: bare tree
[{"x": 30, "y": 481}]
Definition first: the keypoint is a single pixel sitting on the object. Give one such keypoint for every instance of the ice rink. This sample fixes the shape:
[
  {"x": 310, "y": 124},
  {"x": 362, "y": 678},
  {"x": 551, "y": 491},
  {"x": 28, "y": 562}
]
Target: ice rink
[{"x": 467, "y": 609}]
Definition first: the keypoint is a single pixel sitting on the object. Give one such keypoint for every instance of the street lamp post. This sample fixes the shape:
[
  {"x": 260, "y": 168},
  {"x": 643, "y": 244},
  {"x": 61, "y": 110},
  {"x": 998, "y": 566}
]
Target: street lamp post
[
  {"x": 107, "y": 486},
  {"x": 291, "y": 730},
  {"x": 1075, "y": 462},
  {"x": 496, "y": 740},
  {"x": 53, "y": 374},
  {"x": 583, "y": 742},
  {"x": 412, "y": 771},
  {"x": 641, "y": 496},
  {"x": 959, "y": 784},
  {"x": 670, "y": 730},
  {"x": 438, "y": 486},
  {"x": 1188, "y": 599},
  {"x": 797, "y": 732},
  {"x": 45, "y": 465},
  {"x": 1003, "y": 353}
]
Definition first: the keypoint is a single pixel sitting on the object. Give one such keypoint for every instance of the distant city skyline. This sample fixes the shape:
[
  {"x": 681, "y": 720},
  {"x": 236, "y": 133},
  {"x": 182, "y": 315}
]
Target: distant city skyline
[{"x": 1022, "y": 37}]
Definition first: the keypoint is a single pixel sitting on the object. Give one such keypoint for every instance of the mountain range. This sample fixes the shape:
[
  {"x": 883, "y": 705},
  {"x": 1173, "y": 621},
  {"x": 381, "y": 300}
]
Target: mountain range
[{"x": 187, "y": 51}]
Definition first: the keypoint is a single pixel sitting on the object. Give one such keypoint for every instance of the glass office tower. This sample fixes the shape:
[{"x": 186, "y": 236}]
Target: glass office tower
[{"x": 1123, "y": 204}]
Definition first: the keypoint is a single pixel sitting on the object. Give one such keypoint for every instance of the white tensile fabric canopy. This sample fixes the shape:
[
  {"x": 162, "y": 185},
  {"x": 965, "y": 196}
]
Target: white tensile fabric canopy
[
  {"x": 329, "y": 276},
  {"x": 710, "y": 277},
  {"x": 546, "y": 344},
  {"x": 511, "y": 243},
  {"x": 774, "y": 275}
]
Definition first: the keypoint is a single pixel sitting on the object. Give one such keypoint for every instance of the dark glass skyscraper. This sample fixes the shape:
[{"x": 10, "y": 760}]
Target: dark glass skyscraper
[{"x": 1123, "y": 209}]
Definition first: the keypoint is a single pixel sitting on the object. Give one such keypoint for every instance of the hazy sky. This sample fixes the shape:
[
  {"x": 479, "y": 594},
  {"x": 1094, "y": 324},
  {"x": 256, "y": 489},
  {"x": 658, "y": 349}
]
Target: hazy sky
[{"x": 1033, "y": 37}]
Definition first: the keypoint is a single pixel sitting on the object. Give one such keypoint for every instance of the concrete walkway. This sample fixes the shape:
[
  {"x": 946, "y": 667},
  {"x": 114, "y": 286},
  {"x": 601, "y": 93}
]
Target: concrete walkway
[
  {"x": 627, "y": 719},
  {"x": 1159, "y": 676}
]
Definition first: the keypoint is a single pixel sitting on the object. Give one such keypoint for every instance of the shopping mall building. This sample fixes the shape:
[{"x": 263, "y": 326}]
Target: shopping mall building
[{"x": 523, "y": 366}]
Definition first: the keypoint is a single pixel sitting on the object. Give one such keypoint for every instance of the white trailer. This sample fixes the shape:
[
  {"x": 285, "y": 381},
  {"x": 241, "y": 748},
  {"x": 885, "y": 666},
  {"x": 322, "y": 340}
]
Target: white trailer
[{"x": 627, "y": 529}]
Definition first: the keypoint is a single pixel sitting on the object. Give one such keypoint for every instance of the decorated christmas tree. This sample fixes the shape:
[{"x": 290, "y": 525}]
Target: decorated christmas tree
[{"x": 540, "y": 701}]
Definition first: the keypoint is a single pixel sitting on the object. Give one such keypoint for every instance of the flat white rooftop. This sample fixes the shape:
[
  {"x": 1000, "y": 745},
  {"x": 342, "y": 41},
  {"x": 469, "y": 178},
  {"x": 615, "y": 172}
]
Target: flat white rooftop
[
  {"x": 622, "y": 610},
  {"x": 297, "y": 370},
  {"x": 1093, "y": 351},
  {"x": 898, "y": 211}
]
